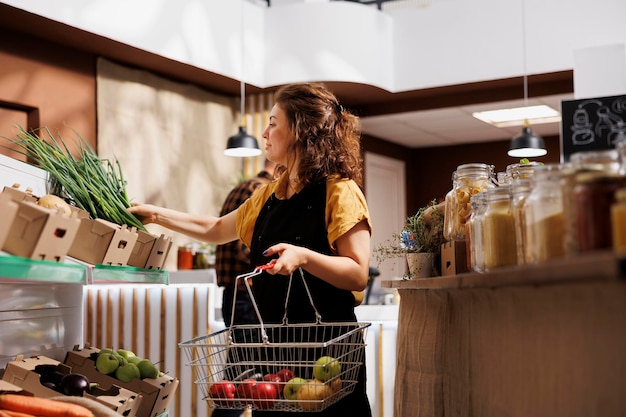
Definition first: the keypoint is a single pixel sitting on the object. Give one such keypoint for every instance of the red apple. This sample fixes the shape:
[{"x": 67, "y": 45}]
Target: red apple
[
  {"x": 244, "y": 390},
  {"x": 276, "y": 382},
  {"x": 264, "y": 395},
  {"x": 222, "y": 392},
  {"x": 285, "y": 375}
]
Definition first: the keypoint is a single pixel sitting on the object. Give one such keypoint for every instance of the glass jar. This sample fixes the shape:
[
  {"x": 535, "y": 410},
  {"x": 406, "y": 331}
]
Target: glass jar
[
  {"x": 620, "y": 147},
  {"x": 448, "y": 215},
  {"x": 618, "y": 221},
  {"x": 520, "y": 189},
  {"x": 185, "y": 257},
  {"x": 604, "y": 161},
  {"x": 473, "y": 244},
  {"x": 543, "y": 216},
  {"x": 470, "y": 179},
  {"x": 521, "y": 171},
  {"x": 498, "y": 229},
  {"x": 593, "y": 196}
]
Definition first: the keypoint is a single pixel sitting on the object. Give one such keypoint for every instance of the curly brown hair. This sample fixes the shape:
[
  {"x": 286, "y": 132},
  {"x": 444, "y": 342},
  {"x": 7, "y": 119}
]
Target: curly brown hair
[{"x": 327, "y": 136}]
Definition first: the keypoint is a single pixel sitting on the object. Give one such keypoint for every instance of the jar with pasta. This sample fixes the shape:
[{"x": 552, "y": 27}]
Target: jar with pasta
[
  {"x": 543, "y": 216},
  {"x": 470, "y": 179}
]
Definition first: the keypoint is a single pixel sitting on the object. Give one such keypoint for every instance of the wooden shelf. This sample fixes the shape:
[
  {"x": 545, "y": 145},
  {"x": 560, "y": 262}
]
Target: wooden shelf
[{"x": 597, "y": 266}]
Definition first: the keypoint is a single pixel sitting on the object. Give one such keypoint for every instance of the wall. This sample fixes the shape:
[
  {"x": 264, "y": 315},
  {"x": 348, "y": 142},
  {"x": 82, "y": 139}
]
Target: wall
[{"x": 55, "y": 84}]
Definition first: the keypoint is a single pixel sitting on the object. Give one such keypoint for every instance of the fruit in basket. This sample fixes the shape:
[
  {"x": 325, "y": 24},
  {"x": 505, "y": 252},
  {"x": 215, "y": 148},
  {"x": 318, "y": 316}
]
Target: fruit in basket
[
  {"x": 52, "y": 201},
  {"x": 128, "y": 372},
  {"x": 222, "y": 392},
  {"x": 146, "y": 368},
  {"x": 263, "y": 395},
  {"x": 244, "y": 389},
  {"x": 290, "y": 391},
  {"x": 74, "y": 385},
  {"x": 285, "y": 374},
  {"x": 326, "y": 368},
  {"x": 335, "y": 384},
  {"x": 310, "y": 395},
  {"x": 107, "y": 363}
]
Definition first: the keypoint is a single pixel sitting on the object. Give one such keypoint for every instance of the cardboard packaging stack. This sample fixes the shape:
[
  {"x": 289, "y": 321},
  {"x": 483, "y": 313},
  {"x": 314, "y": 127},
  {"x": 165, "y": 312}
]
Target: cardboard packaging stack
[
  {"x": 21, "y": 373},
  {"x": 35, "y": 232}
]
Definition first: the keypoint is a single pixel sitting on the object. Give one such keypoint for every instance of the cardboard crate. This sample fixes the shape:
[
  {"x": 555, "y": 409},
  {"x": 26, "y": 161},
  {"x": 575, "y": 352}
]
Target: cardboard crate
[
  {"x": 453, "y": 258},
  {"x": 8, "y": 388},
  {"x": 156, "y": 393},
  {"x": 8, "y": 210},
  {"x": 150, "y": 251},
  {"x": 21, "y": 373},
  {"x": 15, "y": 194},
  {"x": 40, "y": 233},
  {"x": 103, "y": 242},
  {"x": 159, "y": 252}
]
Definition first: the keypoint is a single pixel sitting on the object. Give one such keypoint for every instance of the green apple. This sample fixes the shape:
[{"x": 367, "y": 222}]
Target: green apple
[
  {"x": 105, "y": 350},
  {"x": 126, "y": 353},
  {"x": 326, "y": 368},
  {"x": 290, "y": 391},
  {"x": 147, "y": 369},
  {"x": 128, "y": 372},
  {"x": 107, "y": 363}
]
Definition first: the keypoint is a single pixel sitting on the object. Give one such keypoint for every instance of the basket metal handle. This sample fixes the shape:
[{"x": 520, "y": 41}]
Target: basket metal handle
[{"x": 258, "y": 271}]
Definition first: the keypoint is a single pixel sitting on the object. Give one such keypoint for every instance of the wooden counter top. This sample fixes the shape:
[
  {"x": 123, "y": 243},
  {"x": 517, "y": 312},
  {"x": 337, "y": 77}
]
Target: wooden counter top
[{"x": 597, "y": 266}]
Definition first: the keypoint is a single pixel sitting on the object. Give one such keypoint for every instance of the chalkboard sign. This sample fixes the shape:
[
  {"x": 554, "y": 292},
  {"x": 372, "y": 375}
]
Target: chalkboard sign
[{"x": 592, "y": 124}]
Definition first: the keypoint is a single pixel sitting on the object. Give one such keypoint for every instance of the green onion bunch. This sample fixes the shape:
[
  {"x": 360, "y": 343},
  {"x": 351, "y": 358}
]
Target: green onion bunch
[{"x": 90, "y": 183}]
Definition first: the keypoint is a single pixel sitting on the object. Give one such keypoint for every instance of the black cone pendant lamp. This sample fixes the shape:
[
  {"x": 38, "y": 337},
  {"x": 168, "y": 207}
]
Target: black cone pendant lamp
[
  {"x": 526, "y": 145},
  {"x": 242, "y": 144}
]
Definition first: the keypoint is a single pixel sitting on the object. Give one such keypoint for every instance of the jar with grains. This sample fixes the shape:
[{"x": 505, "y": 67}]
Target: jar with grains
[
  {"x": 620, "y": 147},
  {"x": 448, "y": 215},
  {"x": 593, "y": 196},
  {"x": 543, "y": 216},
  {"x": 606, "y": 161},
  {"x": 470, "y": 179},
  {"x": 473, "y": 243},
  {"x": 520, "y": 189},
  {"x": 498, "y": 229},
  {"x": 618, "y": 222}
]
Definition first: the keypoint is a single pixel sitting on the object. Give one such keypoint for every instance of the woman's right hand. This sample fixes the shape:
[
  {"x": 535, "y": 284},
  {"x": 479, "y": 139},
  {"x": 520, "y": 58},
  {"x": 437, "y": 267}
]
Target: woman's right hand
[{"x": 146, "y": 213}]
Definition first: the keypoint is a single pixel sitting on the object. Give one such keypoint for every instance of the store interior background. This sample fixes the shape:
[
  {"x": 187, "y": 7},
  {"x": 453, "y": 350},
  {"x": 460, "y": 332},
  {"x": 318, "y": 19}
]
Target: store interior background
[{"x": 425, "y": 57}]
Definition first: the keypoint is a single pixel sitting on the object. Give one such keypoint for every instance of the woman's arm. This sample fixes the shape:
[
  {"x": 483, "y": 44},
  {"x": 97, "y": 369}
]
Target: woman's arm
[
  {"x": 200, "y": 227},
  {"x": 349, "y": 270}
]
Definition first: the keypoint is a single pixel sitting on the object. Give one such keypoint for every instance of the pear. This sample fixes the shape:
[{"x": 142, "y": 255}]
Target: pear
[
  {"x": 147, "y": 369},
  {"x": 128, "y": 372},
  {"x": 107, "y": 363},
  {"x": 126, "y": 353}
]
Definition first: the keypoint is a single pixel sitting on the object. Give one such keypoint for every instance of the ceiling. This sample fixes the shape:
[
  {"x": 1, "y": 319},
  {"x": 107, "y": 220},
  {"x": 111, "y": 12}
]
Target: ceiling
[{"x": 455, "y": 125}]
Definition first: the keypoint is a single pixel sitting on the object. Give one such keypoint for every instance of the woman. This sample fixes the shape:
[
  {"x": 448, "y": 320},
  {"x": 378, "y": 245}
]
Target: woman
[{"x": 313, "y": 217}]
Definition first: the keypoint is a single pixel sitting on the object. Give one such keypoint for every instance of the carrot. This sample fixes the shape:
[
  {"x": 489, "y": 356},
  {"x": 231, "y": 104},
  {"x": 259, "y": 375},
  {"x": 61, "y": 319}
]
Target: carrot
[
  {"x": 42, "y": 406},
  {"x": 10, "y": 413}
]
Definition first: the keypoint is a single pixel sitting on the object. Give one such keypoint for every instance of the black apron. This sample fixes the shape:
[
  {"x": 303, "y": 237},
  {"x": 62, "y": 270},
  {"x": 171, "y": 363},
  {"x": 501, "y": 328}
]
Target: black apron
[{"x": 300, "y": 221}]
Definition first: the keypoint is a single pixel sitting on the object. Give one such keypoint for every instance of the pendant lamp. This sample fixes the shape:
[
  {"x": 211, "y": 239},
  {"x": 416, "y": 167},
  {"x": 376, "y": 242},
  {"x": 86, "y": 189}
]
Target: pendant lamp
[
  {"x": 526, "y": 145},
  {"x": 242, "y": 144}
]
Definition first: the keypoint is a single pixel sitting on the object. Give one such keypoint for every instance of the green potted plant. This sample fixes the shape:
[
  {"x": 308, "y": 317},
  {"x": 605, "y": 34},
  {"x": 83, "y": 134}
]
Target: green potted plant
[{"x": 419, "y": 241}]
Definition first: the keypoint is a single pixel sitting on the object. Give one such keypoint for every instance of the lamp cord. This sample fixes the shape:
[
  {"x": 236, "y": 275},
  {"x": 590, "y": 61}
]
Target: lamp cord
[{"x": 524, "y": 54}]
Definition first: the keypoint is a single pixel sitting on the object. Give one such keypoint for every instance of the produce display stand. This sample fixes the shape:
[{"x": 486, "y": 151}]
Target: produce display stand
[{"x": 14, "y": 267}]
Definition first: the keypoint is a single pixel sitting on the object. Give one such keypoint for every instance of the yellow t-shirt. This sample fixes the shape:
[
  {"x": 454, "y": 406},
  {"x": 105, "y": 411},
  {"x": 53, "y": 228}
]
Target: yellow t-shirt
[{"x": 345, "y": 208}]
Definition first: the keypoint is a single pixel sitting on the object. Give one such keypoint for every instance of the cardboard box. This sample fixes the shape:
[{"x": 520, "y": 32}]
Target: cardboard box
[
  {"x": 8, "y": 388},
  {"x": 40, "y": 233},
  {"x": 150, "y": 251},
  {"x": 14, "y": 194},
  {"x": 156, "y": 393},
  {"x": 103, "y": 242},
  {"x": 159, "y": 252},
  {"x": 8, "y": 210},
  {"x": 453, "y": 258},
  {"x": 21, "y": 373}
]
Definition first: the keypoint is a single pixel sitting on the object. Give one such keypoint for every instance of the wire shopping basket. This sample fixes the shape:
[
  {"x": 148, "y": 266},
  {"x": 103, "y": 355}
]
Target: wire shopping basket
[{"x": 282, "y": 367}]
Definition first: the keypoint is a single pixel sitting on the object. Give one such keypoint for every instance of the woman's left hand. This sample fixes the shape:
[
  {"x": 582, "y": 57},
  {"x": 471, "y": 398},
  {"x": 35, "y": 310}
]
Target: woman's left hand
[{"x": 290, "y": 258}]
